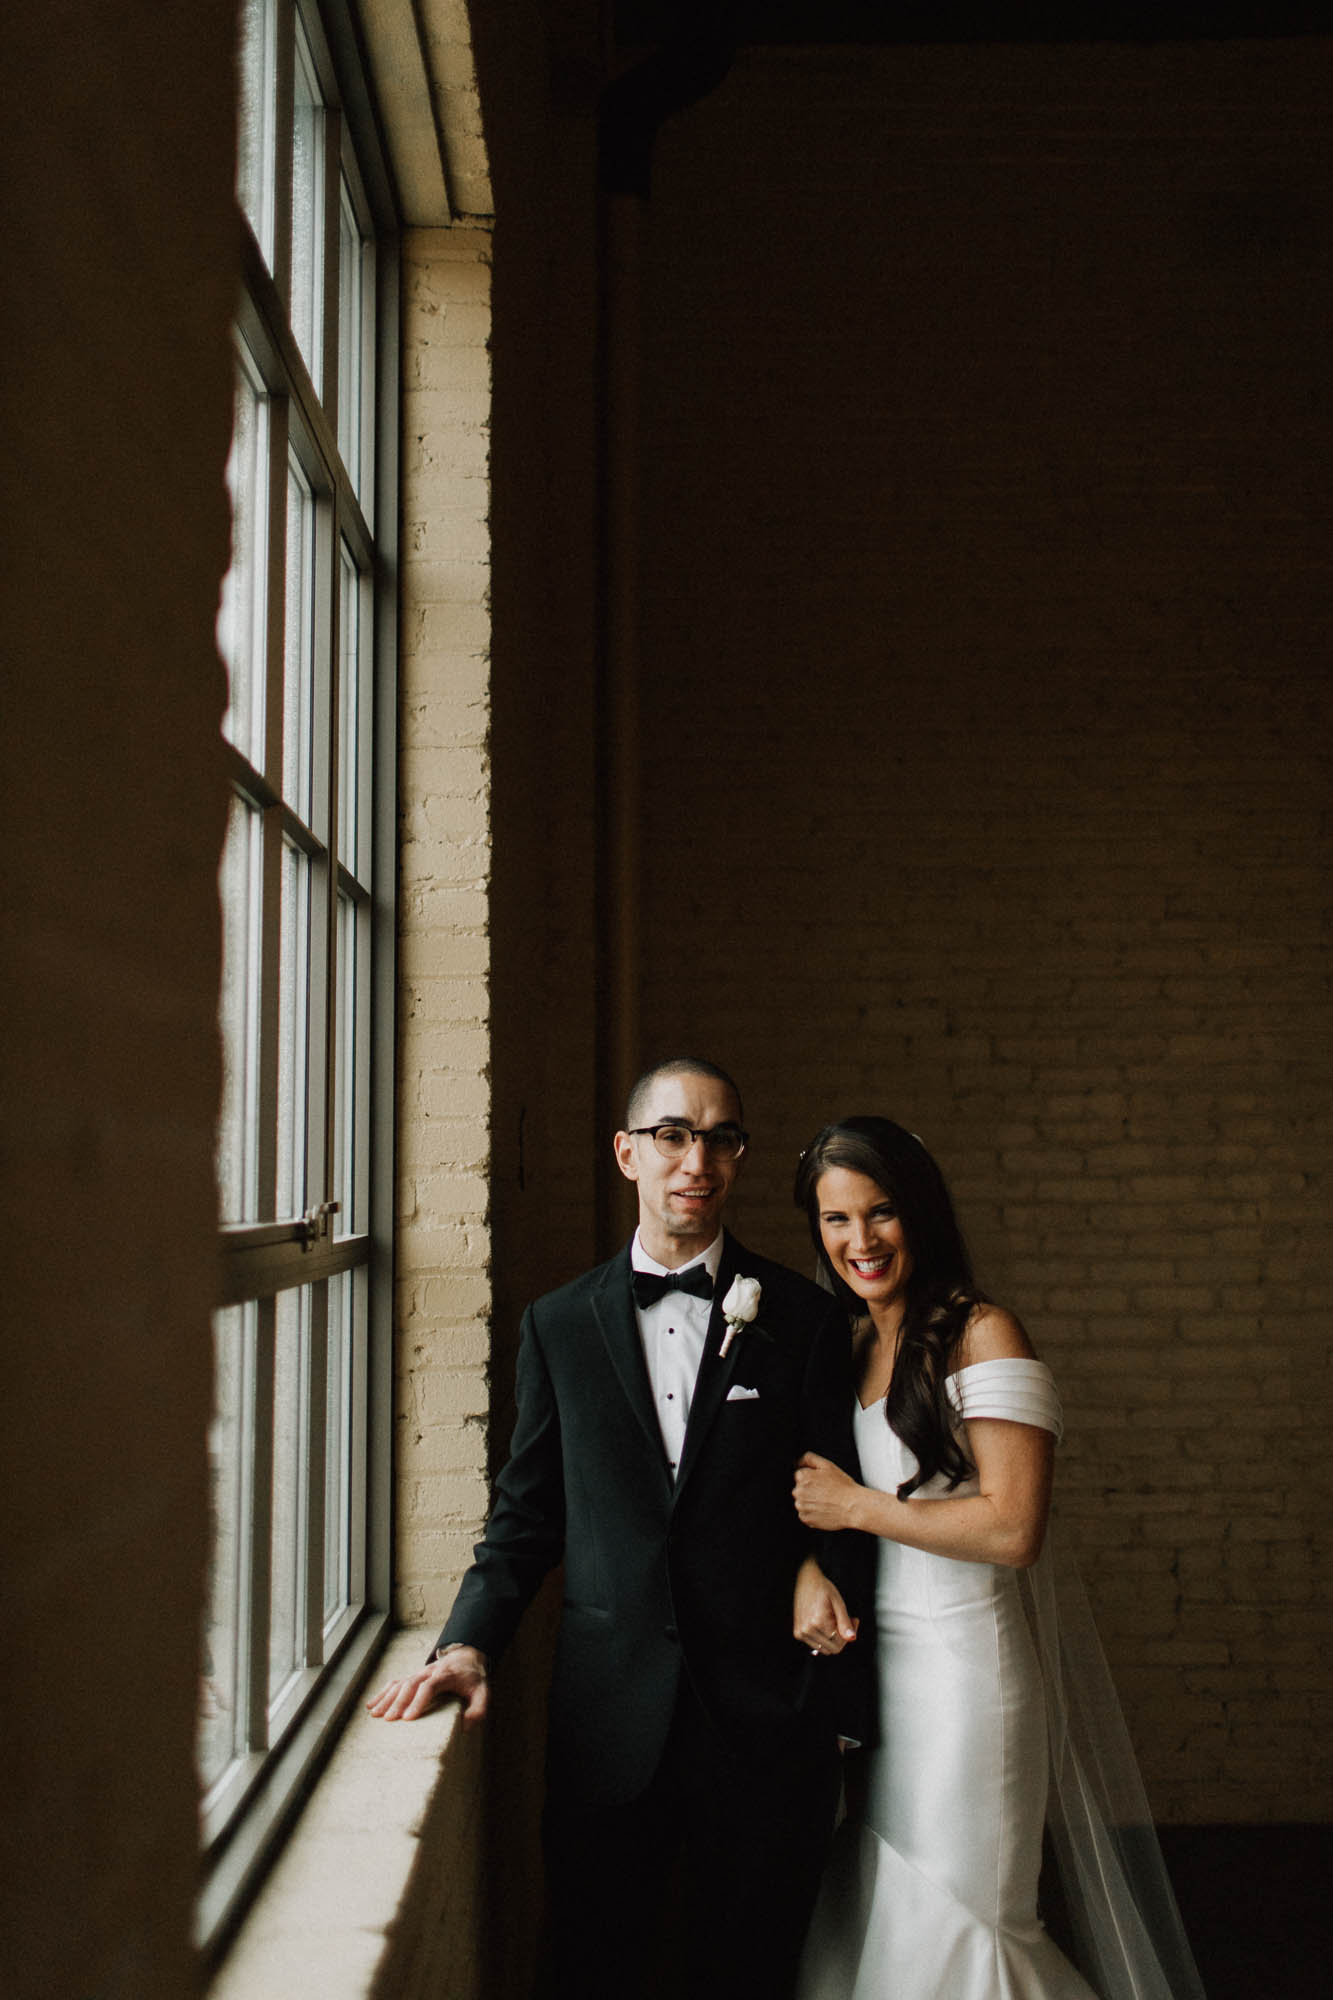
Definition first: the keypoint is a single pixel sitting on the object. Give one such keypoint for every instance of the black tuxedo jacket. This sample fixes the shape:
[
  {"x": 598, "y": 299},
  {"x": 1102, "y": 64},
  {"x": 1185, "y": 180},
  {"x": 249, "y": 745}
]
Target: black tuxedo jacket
[{"x": 664, "y": 1578}]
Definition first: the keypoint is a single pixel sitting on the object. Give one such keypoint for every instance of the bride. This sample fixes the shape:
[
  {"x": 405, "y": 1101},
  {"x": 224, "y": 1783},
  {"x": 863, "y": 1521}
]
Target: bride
[{"x": 995, "y": 1711}]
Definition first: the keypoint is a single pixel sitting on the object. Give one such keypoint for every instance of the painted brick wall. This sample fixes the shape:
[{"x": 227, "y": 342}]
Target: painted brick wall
[
  {"x": 443, "y": 1238},
  {"x": 986, "y": 709}
]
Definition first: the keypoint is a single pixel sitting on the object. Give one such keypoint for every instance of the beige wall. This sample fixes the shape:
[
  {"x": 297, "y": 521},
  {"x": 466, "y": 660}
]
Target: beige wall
[
  {"x": 986, "y": 578},
  {"x": 442, "y": 1245},
  {"x": 117, "y": 383}
]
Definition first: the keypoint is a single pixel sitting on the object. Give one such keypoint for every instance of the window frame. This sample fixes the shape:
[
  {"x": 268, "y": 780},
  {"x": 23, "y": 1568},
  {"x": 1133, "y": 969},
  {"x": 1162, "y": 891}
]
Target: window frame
[{"x": 253, "y": 1801}]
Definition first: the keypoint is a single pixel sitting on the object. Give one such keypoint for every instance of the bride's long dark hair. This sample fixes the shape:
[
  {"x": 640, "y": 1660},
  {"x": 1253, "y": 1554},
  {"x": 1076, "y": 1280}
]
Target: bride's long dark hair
[{"x": 941, "y": 1291}]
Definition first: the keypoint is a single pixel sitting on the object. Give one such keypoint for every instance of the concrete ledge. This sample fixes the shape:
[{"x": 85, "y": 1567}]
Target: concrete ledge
[{"x": 377, "y": 1891}]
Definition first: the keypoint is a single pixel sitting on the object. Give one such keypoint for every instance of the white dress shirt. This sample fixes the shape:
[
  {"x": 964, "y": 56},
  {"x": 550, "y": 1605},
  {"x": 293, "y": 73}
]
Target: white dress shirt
[{"x": 673, "y": 1333}]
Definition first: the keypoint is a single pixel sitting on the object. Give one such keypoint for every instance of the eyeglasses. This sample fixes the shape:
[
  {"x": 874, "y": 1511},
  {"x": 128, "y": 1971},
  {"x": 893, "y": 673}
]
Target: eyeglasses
[{"x": 673, "y": 1141}]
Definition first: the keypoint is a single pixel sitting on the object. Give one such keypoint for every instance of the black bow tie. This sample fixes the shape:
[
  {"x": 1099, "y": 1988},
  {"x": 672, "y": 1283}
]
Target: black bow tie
[{"x": 649, "y": 1287}]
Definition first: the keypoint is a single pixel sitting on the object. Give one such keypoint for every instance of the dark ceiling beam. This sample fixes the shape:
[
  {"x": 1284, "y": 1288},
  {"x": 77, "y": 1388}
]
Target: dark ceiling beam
[
  {"x": 643, "y": 24},
  {"x": 677, "y": 72}
]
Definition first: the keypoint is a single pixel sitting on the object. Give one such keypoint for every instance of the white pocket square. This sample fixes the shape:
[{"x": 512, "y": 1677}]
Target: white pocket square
[{"x": 738, "y": 1393}]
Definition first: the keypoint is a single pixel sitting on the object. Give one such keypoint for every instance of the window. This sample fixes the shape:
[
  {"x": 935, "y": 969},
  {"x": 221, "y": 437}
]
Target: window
[{"x": 298, "y": 1583}]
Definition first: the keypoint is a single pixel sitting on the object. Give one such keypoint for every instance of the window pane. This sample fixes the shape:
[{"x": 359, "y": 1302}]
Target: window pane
[
  {"x": 308, "y": 211},
  {"x": 338, "y": 1449},
  {"x": 293, "y": 1031},
  {"x": 299, "y": 644},
  {"x": 258, "y": 99},
  {"x": 238, "y": 1123},
  {"x": 244, "y": 590},
  {"x": 290, "y": 1447},
  {"x": 290, "y": 1377},
  {"x": 349, "y": 336},
  {"x": 222, "y": 1707},
  {"x": 356, "y": 337},
  {"x": 354, "y": 747},
  {"x": 345, "y": 1121}
]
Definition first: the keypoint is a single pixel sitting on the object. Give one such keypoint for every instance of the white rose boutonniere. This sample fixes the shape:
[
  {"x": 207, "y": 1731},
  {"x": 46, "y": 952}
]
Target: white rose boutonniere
[{"x": 739, "y": 1307}]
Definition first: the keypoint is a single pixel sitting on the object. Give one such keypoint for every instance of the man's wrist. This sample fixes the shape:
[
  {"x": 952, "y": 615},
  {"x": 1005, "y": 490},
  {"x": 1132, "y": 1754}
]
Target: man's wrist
[{"x": 462, "y": 1646}]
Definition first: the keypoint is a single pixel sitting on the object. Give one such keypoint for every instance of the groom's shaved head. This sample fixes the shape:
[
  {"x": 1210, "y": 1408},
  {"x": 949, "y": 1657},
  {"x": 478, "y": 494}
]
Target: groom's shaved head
[{"x": 676, "y": 1066}]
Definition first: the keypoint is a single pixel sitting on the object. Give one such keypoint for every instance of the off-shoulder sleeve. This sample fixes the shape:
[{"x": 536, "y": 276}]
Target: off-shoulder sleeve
[{"x": 1021, "y": 1391}]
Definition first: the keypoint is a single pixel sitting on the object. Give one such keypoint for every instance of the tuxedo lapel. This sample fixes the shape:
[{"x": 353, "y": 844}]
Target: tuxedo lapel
[
  {"x": 613, "y": 1304},
  {"x": 715, "y": 1370}
]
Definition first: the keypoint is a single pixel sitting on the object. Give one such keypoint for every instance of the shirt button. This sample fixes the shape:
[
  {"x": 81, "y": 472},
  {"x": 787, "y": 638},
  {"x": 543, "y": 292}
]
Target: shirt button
[
  {"x": 671, "y": 1632},
  {"x": 671, "y": 1395}
]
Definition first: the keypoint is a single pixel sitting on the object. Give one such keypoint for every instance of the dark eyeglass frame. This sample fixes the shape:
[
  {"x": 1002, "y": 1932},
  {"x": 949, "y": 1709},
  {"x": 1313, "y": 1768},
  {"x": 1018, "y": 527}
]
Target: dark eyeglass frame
[{"x": 709, "y": 1137}]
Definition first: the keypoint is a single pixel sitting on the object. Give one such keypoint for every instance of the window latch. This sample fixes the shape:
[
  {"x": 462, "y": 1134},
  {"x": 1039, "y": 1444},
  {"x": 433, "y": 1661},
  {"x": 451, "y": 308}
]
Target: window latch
[{"x": 314, "y": 1224}]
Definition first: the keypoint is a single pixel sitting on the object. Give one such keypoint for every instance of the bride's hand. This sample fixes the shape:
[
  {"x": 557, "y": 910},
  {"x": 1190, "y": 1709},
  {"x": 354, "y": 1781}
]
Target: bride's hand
[
  {"x": 820, "y": 1618},
  {"x": 824, "y": 1494}
]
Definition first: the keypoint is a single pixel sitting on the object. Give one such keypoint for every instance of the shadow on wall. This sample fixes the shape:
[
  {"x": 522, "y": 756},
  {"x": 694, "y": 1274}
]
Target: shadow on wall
[{"x": 1255, "y": 1904}]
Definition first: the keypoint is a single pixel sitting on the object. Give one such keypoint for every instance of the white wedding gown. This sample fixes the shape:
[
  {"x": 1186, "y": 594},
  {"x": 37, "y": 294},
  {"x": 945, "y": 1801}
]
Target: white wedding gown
[{"x": 934, "y": 1895}]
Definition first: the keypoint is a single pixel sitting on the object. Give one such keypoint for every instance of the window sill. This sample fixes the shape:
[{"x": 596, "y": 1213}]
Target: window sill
[{"x": 379, "y": 1878}]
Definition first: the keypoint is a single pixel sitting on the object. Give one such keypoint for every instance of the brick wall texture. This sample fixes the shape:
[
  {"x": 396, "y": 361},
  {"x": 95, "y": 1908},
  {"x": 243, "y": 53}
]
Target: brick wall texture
[
  {"x": 986, "y": 702},
  {"x": 443, "y": 1238}
]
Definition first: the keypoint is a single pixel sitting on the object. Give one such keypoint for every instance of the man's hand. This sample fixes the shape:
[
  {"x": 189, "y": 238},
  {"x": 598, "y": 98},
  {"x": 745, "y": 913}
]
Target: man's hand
[
  {"x": 825, "y": 1495},
  {"x": 819, "y": 1616},
  {"x": 461, "y": 1674}
]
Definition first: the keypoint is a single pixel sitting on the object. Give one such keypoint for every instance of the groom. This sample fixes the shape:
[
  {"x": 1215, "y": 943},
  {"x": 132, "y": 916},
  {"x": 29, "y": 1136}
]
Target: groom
[{"x": 686, "y": 1723}]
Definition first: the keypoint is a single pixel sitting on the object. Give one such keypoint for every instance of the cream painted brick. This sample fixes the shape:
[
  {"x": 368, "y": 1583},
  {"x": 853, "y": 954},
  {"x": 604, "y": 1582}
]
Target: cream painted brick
[
  {"x": 459, "y": 447},
  {"x": 469, "y": 1304},
  {"x": 452, "y": 1195},
  {"x": 442, "y": 1449},
  {"x": 411, "y": 1604},
  {"x": 445, "y": 822},
  {"x": 439, "y": 367},
  {"x": 429, "y": 1003},
  {"x": 440, "y": 264},
  {"x": 426, "y": 1247},
  {"x": 461, "y": 1338},
  {"x": 444, "y": 1049},
  {"x": 436, "y": 1499},
  {"x": 435, "y": 1187},
  {"x": 444, "y": 1552},
  {"x": 468, "y": 1091},
  {"x": 424, "y": 862},
  {"x": 457, "y": 418},
  {"x": 456, "y": 529},
  {"x": 426, "y": 1141},
  {"x": 443, "y": 773},
  {"x": 431, "y": 725},
  {"x": 449, "y": 1252},
  {"x": 443, "y": 818},
  {"x": 443, "y": 1246},
  {"x": 439, "y": 908},
  {"x": 442, "y": 1395},
  {"x": 461, "y": 450},
  {"x": 461, "y": 491},
  {"x": 437, "y": 1086},
  {"x": 448, "y": 626},
  {"x": 460, "y": 324}
]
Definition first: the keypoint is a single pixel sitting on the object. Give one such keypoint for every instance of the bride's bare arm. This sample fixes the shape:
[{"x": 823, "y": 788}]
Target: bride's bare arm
[{"x": 1005, "y": 1522}]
